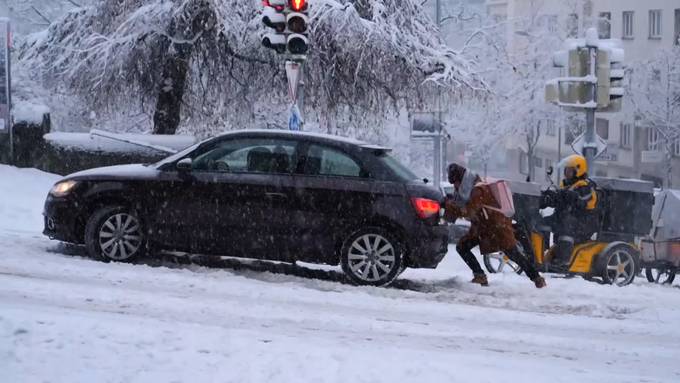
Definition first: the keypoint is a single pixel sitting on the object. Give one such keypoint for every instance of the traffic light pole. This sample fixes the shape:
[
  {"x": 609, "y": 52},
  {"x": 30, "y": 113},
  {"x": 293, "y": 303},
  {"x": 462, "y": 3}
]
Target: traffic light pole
[
  {"x": 590, "y": 145},
  {"x": 437, "y": 165},
  {"x": 301, "y": 95}
]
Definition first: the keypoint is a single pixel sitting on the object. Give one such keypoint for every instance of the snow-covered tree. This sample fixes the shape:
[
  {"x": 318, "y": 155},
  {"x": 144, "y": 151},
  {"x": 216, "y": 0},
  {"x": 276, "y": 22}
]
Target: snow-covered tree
[
  {"x": 654, "y": 92},
  {"x": 516, "y": 70},
  {"x": 33, "y": 15},
  {"x": 199, "y": 64}
]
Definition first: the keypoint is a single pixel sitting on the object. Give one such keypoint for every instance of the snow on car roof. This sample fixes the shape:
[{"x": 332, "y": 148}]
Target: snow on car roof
[{"x": 325, "y": 136}]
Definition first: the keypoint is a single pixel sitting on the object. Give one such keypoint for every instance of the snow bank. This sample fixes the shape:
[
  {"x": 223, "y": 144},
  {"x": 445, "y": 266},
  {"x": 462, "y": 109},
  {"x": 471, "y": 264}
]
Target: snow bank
[
  {"x": 22, "y": 195},
  {"x": 29, "y": 111},
  {"x": 87, "y": 142}
]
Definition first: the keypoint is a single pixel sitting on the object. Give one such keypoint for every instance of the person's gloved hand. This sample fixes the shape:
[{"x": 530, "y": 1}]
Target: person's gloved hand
[{"x": 548, "y": 199}]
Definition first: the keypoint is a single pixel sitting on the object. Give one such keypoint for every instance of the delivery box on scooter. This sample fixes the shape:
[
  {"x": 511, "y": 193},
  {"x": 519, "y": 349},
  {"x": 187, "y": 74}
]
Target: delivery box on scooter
[{"x": 626, "y": 205}]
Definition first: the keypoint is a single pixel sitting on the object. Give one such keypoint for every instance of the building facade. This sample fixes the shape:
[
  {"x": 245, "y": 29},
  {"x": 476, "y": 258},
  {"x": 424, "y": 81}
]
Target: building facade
[{"x": 644, "y": 27}]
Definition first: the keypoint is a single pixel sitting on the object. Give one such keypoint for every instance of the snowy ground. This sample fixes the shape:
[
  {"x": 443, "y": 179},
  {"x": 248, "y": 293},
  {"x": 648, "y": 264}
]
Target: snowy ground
[{"x": 66, "y": 318}]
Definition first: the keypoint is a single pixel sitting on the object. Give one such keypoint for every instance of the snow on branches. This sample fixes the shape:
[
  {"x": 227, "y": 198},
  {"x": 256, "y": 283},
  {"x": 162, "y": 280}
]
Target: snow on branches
[
  {"x": 204, "y": 57},
  {"x": 654, "y": 93}
]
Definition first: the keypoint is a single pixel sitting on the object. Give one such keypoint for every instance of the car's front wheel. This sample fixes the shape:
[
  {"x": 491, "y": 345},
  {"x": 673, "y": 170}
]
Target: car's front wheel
[
  {"x": 372, "y": 256},
  {"x": 114, "y": 233}
]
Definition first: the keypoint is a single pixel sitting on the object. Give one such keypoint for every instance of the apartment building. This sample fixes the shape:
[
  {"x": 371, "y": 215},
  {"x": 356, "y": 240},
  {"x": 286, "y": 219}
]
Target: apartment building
[{"x": 644, "y": 27}]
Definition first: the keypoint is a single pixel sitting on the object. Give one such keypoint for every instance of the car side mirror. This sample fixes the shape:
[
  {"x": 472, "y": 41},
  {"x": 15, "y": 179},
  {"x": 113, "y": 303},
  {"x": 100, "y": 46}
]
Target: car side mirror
[
  {"x": 549, "y": 171},
  {"x": 184, "y": 165}
]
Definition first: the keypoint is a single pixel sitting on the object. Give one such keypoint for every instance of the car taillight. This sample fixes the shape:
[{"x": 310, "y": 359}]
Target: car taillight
[{"x": 425, "y": 208}]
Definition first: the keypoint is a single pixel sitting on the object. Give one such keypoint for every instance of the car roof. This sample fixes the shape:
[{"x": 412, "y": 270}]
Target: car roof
[{"x": 321, "y": 137}]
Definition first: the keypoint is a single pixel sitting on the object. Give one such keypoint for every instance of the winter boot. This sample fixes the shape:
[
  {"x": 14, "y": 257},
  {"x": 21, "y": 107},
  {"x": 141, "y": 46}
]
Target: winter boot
[
  {"x": 480, "y": 279},
  {"x": 539, "y": 282}
]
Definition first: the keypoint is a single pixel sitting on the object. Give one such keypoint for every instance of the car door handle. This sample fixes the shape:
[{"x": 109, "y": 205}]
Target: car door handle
[{"x": 273, "y": 195}]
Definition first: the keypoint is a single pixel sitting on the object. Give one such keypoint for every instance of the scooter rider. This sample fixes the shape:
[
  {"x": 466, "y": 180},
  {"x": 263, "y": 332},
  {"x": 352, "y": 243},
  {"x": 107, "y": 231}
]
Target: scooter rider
[
  {"x": 490, "y": 230},
  {"x": 575, "y": 203}
]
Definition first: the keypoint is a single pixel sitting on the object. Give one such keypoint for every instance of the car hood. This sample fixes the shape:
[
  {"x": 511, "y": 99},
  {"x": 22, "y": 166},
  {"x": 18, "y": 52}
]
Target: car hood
[{"x": 133, "y": 171}]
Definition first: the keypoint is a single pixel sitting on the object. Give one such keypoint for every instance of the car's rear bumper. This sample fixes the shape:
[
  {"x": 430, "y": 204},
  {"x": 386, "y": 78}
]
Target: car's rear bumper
[
  {"x": 60, "y": 220},
  {"x": 428, "y": 247}
]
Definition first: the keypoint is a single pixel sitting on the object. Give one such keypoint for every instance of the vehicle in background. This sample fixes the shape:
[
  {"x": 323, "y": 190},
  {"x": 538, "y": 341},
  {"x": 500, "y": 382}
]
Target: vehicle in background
[
  {"x": 613, "y": 255},
  {"x": 661, "y": 250},
  {"x": 274, "y": 195}
]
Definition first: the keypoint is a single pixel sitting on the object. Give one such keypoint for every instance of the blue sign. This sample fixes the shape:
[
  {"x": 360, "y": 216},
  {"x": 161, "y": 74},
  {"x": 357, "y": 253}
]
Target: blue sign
[{"x": 295, "y": 120}]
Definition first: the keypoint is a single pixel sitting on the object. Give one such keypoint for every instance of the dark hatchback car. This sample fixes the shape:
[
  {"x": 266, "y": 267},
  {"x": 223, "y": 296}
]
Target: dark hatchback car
[{"x": 273, "y": 195}]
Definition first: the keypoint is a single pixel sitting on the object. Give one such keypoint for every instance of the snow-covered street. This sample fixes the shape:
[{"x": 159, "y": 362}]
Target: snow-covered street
[{"x": 67, "y": 318}]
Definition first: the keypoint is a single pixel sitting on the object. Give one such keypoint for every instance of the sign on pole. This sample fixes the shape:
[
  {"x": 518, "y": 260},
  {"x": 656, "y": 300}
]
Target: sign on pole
[
  {"x": 293, "y": 74},
  {"x": 425, "y": 125},
  {"x": 5, "y": 95},
  {"x": 579, "y": 145},
  {"x": 651, "y": 157}
]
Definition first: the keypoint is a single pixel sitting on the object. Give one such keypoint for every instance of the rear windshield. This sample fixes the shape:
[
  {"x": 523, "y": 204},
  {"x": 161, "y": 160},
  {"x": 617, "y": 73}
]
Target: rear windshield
[{"x": 401, "y": 171}]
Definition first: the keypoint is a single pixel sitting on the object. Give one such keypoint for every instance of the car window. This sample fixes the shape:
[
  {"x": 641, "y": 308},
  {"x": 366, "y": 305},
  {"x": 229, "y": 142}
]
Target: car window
[
  {"x": 322, "y": 160},
  {"x": 401, "y": 171},
  {"x": 249, "y": 155}
]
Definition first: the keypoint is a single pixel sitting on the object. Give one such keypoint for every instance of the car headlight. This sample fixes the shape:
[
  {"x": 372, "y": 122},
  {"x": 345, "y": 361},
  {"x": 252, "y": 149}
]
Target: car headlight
[{"x": 62, "y": 188}]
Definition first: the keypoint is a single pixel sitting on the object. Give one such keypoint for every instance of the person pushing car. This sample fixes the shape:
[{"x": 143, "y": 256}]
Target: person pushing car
[{"x": 490, "y": 229}]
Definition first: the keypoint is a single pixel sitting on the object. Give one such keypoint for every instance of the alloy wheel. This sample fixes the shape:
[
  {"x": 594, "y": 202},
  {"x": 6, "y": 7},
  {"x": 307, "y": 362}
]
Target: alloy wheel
[
  {"x": 371, "y": 257},
  {"x": 620, "y": 268},
  {"x": 497, "y": 262},
  {"x": 120, "y": 237}
]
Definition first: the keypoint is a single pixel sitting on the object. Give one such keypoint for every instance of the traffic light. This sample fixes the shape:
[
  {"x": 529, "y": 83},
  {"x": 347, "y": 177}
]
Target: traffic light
[
  {"x": 273, "y": 17},
  {"x": 290, "y": 22},
  {"x": 610, "y": 74},
  {"x": 297, "y": 23},
  {"x": 568, "y": 90}
]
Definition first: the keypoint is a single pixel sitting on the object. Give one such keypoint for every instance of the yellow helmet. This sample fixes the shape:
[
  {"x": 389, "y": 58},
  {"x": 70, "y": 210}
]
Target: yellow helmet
[{"x": 577, "y": 162}]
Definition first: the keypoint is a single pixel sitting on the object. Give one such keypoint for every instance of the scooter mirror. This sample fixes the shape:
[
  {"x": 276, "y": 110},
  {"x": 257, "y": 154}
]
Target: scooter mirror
[{"x": 549, "y": 171}]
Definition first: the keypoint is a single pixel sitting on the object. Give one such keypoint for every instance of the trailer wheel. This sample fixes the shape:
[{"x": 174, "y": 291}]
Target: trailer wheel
[{"x": 662, "y": 275}]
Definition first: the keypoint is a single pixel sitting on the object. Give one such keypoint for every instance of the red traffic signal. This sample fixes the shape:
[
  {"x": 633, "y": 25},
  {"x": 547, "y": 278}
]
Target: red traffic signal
[{"x": 298, "y": 5}]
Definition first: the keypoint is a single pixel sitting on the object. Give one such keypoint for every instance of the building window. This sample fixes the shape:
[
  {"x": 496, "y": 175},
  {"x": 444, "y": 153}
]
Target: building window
[
  {"x": 628, "y": 24},
  {"x": 602, "y": 128},
  {"x": 523, "y": 163},
  {"x": 552, "y": 23},
  {"x": 676, "y": 147},
  {"x": 551, "y": 130},
  {"x": 677, "y": 27},
  {"x": 604, "y": 25},
  {"x": 655, "y": 24},
  {"x": 652, "y": 139},
  {"x": 572, "y": 25},
  {"x": 625, "y": 135},
  {"x": 538, "y": 162}
]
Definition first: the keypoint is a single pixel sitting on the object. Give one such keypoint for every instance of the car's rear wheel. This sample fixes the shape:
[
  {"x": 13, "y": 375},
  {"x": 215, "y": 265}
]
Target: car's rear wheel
[
  {"x": 114, "y": 233},
  {"x": 372, "y": 256}
]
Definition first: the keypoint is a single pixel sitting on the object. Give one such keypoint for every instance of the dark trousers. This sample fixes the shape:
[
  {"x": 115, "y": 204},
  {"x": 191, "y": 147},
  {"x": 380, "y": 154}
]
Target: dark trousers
[
  {"x": 569, "y": 230},
  {"x": 464, "y": 248}
]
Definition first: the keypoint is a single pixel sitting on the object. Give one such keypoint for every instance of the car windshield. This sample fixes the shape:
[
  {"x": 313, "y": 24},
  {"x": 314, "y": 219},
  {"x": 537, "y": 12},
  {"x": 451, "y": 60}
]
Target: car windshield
[{"x": 397, "y": 167}]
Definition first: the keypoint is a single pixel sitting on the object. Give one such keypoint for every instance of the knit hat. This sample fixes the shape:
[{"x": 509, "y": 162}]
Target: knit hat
[{"x": 456, "y": 172}]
